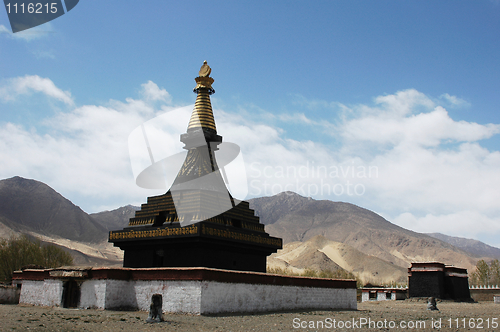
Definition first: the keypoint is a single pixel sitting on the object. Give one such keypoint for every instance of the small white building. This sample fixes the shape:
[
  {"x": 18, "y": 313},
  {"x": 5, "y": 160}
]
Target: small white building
[{"x": 383, "y": 294}]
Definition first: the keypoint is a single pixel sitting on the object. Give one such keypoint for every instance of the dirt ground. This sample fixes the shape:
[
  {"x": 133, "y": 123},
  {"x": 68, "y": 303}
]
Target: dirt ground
[{"x": 370, "y": 316}]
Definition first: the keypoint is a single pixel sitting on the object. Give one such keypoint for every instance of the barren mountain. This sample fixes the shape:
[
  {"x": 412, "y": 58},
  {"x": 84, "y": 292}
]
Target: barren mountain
[
  {"x": 29, "y": 205},
  {"x": 471, "y": 246},
  {"x": 33, "y": 208},
  {"x": 319, "y": 253},
  {"x": 6, "y": 232},
  {"x": 351, "y": 237},
  {"x": 102, "y": 254},
  {"x": 115, "y": 219},
  {"x": 296, "y": 218}
]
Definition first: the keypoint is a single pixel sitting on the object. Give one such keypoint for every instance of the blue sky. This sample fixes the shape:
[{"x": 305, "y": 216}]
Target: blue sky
[{"x": 406, "y": 88}]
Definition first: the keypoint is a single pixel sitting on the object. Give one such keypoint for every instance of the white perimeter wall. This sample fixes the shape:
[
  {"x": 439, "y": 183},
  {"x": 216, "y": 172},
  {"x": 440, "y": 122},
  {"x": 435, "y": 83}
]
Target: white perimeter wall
[
  {"x": 195, "y": 297},
  {"x": 47, "y": 292},
  {"x": 223, "y": 297}
]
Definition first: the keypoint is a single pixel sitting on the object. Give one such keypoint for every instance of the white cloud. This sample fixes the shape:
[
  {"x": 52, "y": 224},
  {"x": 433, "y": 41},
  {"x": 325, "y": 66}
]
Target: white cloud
[
  {"x": 438, "y": 181},
  {"x": 295, "y": 118},
  {"x": 12, "y": 88},
  {"x": 465, "y": 223},
  {"x": 400, "y": 104},
  {"x": 405, "y": 151},
  {"x": 84, "y": 153},
  {"x": 28, "y": 35},
  {"x": 454, "y": 101},
  {"x": 3, "y": 29},
  {"x": 151, "y": 92},
  {"x": 405, "y": 156},
  {"x": 425, "y": 129},
  {"x": 419, "y": 169}
]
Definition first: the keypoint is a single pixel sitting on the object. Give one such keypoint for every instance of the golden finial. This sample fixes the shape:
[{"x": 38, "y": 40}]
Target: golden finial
[
  {"x": 205, "y": 70},
  {"x": 204, "y": 81}
]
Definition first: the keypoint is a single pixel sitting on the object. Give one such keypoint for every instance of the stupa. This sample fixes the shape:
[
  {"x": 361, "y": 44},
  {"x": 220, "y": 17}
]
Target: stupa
[
  {"x": 197, "y": 222},
  {"x": 195, "y": 249}
]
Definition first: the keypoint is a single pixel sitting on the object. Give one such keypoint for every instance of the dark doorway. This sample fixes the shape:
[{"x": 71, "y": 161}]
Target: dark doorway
[
  {"x": 158, "y": 258},
  {"x": 71, "y": 294}
]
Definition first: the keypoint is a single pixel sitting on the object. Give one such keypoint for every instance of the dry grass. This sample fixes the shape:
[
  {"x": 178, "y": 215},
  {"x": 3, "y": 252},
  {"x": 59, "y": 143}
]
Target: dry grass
[{"x": 339, "y": 274}]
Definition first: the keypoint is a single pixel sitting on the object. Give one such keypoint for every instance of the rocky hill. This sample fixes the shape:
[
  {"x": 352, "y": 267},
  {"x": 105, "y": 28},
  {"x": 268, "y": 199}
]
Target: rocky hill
[
  {"x": 32, "y": 206},
  {"x": 319, "y": 253},
  {"x": 115, "y": 219},
  {"x": 474, "y": 247},
  {"x": 296, "y": 218}
]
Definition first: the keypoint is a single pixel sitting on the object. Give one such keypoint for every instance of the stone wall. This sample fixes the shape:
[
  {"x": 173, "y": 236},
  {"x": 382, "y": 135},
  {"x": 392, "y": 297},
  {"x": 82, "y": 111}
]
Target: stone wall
[
  {"x": 42, "y": 292},
  {"x": 218, "y": 297},
  {"x": 194, "y": 297},
  {"x": 484, "y": 294},
  {"x": 93, "y": 294}
]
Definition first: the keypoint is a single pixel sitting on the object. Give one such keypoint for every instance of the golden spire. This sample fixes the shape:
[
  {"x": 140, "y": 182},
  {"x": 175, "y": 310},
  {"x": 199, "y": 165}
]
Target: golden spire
[{"x": 203, "y": 116}]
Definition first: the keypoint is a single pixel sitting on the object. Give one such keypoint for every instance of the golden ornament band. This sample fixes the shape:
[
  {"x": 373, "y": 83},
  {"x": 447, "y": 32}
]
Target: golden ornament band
[{"x": 193, "y": 229}]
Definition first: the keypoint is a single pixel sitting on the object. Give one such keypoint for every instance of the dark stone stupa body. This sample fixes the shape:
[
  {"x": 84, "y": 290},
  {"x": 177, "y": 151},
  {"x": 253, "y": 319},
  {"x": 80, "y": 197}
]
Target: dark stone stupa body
[
  {"x": 437, "y": 280},
  {"x": 197, "y": 223}
]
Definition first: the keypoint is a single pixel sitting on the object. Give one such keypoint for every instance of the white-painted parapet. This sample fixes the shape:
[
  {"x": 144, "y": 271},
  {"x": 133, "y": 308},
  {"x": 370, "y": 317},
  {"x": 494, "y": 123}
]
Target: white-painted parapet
[{"x": 185, "y": 290}]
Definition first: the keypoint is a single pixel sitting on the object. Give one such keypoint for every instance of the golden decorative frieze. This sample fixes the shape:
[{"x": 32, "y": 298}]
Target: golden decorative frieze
[
  {"x": 224, "y": 233},
  {"x": 204, "y": 82},
  {"x": 141, "y": 221},
  {"x": 160, "y": 232},
  {"x": 253, "y": 227}
]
